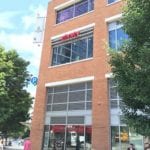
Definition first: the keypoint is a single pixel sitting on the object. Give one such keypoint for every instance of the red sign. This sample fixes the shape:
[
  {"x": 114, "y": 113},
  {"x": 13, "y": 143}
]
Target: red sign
[
  {"x": 75, "y": 128},
  {"x": 70, "y": 36}
]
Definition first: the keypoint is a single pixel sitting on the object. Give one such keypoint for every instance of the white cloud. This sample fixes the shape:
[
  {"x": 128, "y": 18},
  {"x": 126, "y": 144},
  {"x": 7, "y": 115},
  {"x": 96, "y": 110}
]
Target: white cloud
[
  {"x": 40, "y": 9},
  {"x": 6, "y": 19},
  {"x": 28, "y": 21},
  {"x": 23, "y": 43},
  {"x": 31, "y": 19}
]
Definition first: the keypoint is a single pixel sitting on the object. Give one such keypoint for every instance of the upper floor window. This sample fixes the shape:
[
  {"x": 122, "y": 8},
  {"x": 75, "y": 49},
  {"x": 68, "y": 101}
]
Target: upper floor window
[
  {"x": 74, "y": 50},
  {"x": 116, "y": 35},
  {"x": 112, "y": 1},
  {"x": 115, "y": 99},
  {"x": 70, "y": 97},
  {"x": 83, "y": 6}
]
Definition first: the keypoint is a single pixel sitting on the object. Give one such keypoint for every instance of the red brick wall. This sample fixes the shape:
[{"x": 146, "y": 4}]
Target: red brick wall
[{"x": 96, "y": 67}]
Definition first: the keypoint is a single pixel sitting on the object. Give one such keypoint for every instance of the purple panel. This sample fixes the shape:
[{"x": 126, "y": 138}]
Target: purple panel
[
  {"x": 81, "y": 8},
  {"x": 65, "y": 14}
]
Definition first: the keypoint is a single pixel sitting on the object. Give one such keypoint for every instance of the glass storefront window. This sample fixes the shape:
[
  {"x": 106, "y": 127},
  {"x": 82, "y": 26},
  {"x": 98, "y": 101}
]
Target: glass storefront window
[
  {"x": 75, "y": 137},
  {"x": 70, "y": 128},
  {"x": 57, "y": 137},
  {"x": 46, "y": 137},
  {"x": 67, "y": 137},
  {"x": 124, "y": 137},
  {"x": 115, "y": 138},
  {"x": 88, "y": 137},
  {"x": 136, "y": 139},
  {"x": 70, "y": 97},
  {"x": 119, "y": 137}
]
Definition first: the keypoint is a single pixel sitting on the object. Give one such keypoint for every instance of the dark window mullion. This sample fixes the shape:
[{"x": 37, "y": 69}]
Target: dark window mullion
[
  {"x": 56, "y": 54},
  {"x": 116, "y": 40},
  {"x": 87, "y": 47},
  {"x": 73, "y": 10},
  {"x": 52, "y": 99},
  {"x": 71, "y": 53},
  {"x": 85, "y": 96}
]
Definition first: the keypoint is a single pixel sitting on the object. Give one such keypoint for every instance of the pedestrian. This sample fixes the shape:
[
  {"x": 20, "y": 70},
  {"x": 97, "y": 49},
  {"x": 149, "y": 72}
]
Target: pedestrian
[
  {"x": 131, "y": 147},
  {"x": 27, "y": 144}
]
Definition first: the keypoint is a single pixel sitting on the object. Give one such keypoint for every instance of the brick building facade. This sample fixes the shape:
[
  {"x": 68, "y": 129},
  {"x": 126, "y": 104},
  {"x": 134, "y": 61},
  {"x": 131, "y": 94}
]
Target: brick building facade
[{"x": 76, "y": 103}]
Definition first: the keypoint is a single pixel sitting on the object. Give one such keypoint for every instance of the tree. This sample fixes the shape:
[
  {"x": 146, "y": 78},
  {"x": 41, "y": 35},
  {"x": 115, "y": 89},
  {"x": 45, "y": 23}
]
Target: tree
[
  {"x": 15, "y": 101},
  {"x": 131, "y": 66}
]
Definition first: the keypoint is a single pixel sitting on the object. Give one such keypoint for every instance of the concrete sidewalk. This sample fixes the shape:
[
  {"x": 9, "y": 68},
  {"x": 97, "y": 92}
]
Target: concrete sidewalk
[{"x": 12, "y": 148}]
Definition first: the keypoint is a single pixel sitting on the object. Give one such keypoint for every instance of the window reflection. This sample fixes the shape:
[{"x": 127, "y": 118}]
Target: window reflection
[
  {"x": 88, "y": 137},
  {"x": 57, "y": 136},
  {"x": 65, "y": 14},
  {"x": 112, "y": 41},
  {"x": 79, "y": 49},
  {"x": 67, "y": 137},
  {"x": 116, "y": 35},
  {"x": 75, "y": 137},
  {"x": 81, "y": 8},
  {"x": 119, "y": 137},
  {"x": 73, "y": 51},
  {"x": 74, "y": 10},
  {"x": 111, "y": 1}
]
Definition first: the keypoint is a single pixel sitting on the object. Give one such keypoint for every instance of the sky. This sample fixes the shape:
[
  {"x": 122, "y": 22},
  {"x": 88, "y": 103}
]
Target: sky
[{"x": 18, "y": 22}]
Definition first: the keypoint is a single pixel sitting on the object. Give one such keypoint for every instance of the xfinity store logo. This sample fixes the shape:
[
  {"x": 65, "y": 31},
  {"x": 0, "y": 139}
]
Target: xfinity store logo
[{"x": 70, "y": 36}]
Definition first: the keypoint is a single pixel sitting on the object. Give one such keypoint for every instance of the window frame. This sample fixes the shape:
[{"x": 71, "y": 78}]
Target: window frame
[
  {"x": 115, "y": 26},
  {"x": 86, "y": 101},
  {"x": 71, "y": 42}
]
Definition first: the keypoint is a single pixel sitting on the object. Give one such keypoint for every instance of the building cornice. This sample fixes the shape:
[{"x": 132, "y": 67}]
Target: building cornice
[
  {"x": 66, "y": 4},
  {"x": 71, "y": 81},
  {"x": 113, "y": 18},
  {"x": 75, "y": 30}
]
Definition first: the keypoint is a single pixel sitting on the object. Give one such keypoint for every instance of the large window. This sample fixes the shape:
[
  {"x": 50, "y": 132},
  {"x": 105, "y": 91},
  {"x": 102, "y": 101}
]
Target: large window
[
  {"x": 67, "y": 137},
  {"x": 69, "y": 127},
  {"x": 119, "y": 137},
  {"x": 74, "y": 50},
  {"x": 119, "y": 131},
  {"x": 70, "y": 97},
  {"x": 115, "y": 99},
  {"x": 116, "y": 35},
  {"x": 77, "y": 9},
  {"x": 121, "y": 134}
]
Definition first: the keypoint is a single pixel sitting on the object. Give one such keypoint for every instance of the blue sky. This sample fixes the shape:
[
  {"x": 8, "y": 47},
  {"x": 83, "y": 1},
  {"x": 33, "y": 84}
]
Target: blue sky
[{"x": 18, "y": 21}]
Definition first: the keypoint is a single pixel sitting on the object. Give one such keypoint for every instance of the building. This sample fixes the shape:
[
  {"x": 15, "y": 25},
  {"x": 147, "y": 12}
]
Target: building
[{"x": 77, "y": 104}]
